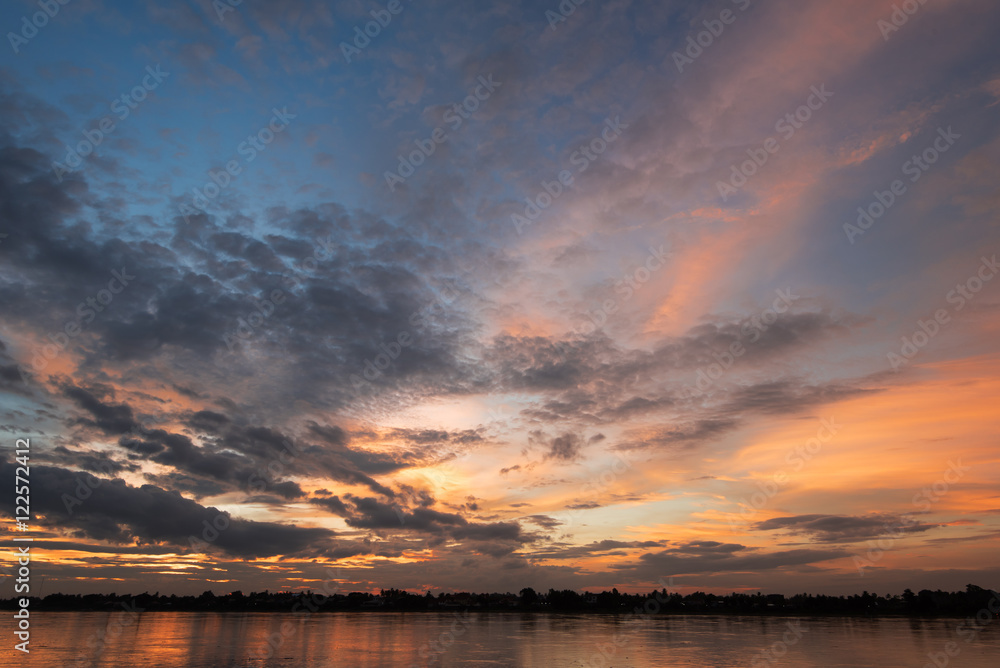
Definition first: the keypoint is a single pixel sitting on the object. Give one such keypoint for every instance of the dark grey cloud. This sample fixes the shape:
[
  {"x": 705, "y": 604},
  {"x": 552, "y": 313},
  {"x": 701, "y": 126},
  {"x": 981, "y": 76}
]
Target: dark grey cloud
[
  {"x": 195, "y": 279},
  {"x": 544, "y": 521},
  {"x": 110, "y": 418},
  {"x": 495, "y": 538},
  {"x": 93, "y": 461},
  {"x": 374, "y": 514},
  {"x": 564, "y": 448},
  {"x": 601, "y": 547},
  {"x": 697, "y": 557},
  {"x": 586, "y": 381},
  {"x": 787, "y": 396},
  {"x": 239, "y": 454},
  {"x": 585, "y": 505},
  {"x": 11, "y": 378},
  {"x": 684, "y": 434},
  {"x": 119, "y": 513},
  {"x": 844, "y": 528},
  {"x": 207, "y": 421},
  {"x": 438, "y": 436},
  {"x": 542, "y": 363},
  {"x": 333, "y": 504}
]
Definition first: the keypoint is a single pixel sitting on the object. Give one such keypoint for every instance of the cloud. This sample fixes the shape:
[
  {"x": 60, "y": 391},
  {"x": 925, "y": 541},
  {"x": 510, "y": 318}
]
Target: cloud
[
  {"x": 256, "y": 363},
  {"x": 565, "y": 448},
  {"x": 369, "y": 513},
  {"x": 715, "y": 557},
  {"x": 585, "y": 505},
  {"x": 844, "y": 528},
  {"x": 110, "y": 418},
  {"x": 604, "y": 548},
  {"x": 119, "y": 513},
  {"x": 544, "y": 521},
  {"x": 332, "y": 504}
]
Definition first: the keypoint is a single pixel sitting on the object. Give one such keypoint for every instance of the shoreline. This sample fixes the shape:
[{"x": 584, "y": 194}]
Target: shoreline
[{"x": 778, "y": 614}]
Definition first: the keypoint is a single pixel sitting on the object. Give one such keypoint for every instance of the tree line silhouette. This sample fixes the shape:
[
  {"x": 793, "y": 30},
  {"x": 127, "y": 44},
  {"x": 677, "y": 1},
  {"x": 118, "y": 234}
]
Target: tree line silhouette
[{"x": 922, "y": 603}]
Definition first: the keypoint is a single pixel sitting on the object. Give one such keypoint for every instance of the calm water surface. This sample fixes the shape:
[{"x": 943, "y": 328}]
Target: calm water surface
[{"x": 230, "y": 640}]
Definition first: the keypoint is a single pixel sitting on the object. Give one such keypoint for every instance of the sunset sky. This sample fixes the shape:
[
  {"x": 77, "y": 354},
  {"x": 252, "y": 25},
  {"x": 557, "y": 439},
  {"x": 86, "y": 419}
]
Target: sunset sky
[{"x": 499, "y": 297}]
